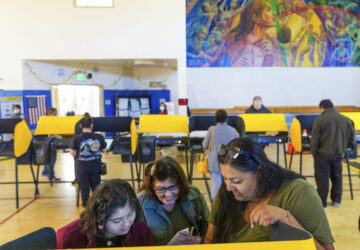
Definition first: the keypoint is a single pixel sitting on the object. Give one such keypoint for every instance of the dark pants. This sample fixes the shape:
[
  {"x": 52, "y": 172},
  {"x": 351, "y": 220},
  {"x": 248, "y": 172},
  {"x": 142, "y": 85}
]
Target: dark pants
[
  {"x": 326, "y": 167},
  {"x": 88, "y": 176}
]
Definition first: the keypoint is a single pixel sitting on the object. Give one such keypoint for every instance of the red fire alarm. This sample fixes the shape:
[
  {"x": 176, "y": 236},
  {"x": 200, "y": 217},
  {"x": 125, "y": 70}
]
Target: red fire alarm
[{"x": 183, "y": 101}]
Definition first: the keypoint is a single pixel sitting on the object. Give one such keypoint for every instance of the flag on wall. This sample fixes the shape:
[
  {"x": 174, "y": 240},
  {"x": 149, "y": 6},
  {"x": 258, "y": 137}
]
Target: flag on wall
[{"x": 36, "y": 107}]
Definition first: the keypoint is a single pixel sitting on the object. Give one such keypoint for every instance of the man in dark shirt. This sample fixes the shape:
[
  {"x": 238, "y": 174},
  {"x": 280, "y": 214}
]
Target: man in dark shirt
[
  {"x": 257, "y": 106},
  {"x": 331, "y": 135},
  {"x": 87, "y": 148}
]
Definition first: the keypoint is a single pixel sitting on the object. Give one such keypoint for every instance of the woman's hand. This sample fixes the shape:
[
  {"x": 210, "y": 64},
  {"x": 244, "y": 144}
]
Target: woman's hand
[{"x": 265, "y": 215}]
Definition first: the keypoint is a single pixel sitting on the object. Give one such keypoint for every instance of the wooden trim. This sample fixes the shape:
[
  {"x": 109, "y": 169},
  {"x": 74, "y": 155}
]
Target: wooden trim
[{"x": 277, "y": 109}]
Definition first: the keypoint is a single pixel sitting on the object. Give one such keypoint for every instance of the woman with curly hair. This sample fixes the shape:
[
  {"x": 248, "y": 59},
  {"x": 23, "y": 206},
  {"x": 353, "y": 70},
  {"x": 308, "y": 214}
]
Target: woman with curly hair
[{"x": 110, "y": 219}]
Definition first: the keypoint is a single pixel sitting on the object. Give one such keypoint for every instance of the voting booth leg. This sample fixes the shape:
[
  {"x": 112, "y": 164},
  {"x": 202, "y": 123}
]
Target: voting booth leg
[
  {"x": 191, "y": 167},
  {"x": 349, "y": 174},
  {"x": 16, "y": 184},
  {"x": 301, "y": 154},
  {"x": 187, "y": 162},
  {"x": 36, "y": 181},
  {"x": 207, "y": 187},
  {"x": 291, "y": 157},
  {"x": 284, "y": 154},
  {"x": 132, "y": 172},
  {"x": 277, "y": 152}
]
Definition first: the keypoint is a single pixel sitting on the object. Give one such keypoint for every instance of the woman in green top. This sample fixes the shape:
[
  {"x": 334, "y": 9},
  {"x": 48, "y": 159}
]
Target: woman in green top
[
  {"x": 170, "y": 204},
  {"x": 256, "y": 193}
]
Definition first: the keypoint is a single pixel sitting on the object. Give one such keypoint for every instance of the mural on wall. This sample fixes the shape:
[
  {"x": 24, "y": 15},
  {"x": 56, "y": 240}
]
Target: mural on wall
[{"x": 266, "y": 33}]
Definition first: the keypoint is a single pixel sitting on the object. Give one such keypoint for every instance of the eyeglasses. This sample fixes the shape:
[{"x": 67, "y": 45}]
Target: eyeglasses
[
  {"x": 234, "y": 152},
  {"x": 162, "y": 190}
]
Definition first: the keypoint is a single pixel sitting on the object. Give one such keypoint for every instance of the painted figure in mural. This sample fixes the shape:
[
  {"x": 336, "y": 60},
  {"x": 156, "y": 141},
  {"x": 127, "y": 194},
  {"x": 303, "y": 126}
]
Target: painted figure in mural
[
  {"x": 195, "y": 46},
  {"x": 356, "y": 54},
  {"x": 311, "y": 37},
  {"x": 340, "y": 56},
  {"x": 213, "y": 50},
  {"x": 249, "y": 44}
]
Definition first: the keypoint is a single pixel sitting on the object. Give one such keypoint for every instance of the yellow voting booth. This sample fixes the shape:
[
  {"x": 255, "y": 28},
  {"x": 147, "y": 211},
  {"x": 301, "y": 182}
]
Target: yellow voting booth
[
  {"x": 161, "y": 130},
  {"x": 56, "y": 125},
  {"x": 263, "y": 123},
  {"x": 18, "y": 148}
]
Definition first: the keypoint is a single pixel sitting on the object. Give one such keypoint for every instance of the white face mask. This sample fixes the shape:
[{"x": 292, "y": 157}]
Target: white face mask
[
  {"x": 16, "y": 111},
  {"x": 162, "y": 108}
]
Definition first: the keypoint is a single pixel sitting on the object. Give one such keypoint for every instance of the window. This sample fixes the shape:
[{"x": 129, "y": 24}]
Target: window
[{"x": 94, "y": 3}]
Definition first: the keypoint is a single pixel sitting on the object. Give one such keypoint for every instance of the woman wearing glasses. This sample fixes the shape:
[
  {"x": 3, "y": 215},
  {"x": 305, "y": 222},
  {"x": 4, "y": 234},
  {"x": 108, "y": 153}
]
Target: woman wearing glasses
[
  {"x": 256, "y": 193},
  {"x": 170, "y": 204}
]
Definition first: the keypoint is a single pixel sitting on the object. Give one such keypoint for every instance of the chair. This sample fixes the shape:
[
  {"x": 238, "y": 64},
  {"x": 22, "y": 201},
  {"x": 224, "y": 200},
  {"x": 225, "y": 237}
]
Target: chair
[{"x": 44, "y": 238}]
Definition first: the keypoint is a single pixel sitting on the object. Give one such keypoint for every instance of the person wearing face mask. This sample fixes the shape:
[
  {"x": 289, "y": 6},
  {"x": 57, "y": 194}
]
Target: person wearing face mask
[
  {"x": 111, "y": 219},
  {"x": 16, "y": 112},
  {"x": 170, "y": 204},
  {"x": 256, "y": 193},
  {"x": 162, "y": 109},
  {"x": 257, "y": 106}
]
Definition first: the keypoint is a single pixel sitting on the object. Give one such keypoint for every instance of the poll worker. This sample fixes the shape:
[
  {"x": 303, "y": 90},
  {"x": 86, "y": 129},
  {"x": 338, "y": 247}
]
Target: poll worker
[{"x": 257, "y": 106}]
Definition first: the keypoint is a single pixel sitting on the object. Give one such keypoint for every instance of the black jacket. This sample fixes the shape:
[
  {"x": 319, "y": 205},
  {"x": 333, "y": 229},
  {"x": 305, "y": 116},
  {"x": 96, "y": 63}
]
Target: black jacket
[
  {"x": 263, "y": 109},
  {"x": 332, "y": 134}
]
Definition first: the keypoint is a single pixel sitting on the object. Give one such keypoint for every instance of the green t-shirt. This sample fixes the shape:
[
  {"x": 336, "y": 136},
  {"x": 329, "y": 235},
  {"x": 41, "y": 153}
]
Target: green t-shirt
[
  {"x": 297, "y": 196},
  {"x": 178, "y": 219}
]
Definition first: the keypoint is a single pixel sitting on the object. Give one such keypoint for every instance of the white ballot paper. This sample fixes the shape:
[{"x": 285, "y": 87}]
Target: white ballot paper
[{"x": 183, "y": 237}]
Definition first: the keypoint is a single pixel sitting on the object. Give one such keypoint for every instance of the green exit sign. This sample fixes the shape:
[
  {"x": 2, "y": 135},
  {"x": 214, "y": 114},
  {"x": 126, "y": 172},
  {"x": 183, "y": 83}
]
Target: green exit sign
[{"x": 80, "y": 77}]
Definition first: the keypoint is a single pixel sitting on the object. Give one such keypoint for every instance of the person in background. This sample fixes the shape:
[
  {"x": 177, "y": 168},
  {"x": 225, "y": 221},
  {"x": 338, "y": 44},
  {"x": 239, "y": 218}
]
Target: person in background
[
  {"x": 221, "y": 133},
  {"x": 49, "y": 169},
  {"x": 86, "y": 148},
  {"x": 16, "y": 112},
  {"x": 162, "y": 109},
  {"x": 331, "y": 135},
  {"x": 170, "y": 204},
  {"x": 256, "y": 193},
  {"x": 257, "y": 106},
  {"x": 112, "y": 218}
]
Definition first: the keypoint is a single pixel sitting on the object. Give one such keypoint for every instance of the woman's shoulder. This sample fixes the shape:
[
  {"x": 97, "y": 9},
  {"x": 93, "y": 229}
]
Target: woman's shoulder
[
  {"x": 194, "y": 193},
  {"x": 70, "y": 236},
  {"x": 292, "y": 187}
]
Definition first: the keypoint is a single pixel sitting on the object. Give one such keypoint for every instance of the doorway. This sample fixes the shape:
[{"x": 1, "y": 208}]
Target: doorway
[{"x": 77, "y": 99}]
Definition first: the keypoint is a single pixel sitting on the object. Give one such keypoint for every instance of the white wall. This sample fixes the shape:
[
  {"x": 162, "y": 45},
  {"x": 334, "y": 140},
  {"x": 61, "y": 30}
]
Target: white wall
[
  {"x": 53, "y": 29},
  {"x": 229, "y": 87}
]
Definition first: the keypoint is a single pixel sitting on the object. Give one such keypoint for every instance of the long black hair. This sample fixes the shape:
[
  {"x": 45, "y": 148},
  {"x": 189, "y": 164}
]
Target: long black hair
[{"x": 270, "y": 176}]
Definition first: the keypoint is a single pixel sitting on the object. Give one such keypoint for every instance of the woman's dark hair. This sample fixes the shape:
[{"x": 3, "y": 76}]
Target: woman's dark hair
[
  {"x": 161, "y": 170},
  {"x": 86, "y": 122},
  {"x": 107, "y": 197},
  {"x": 246, "y": 24},
  {"x": 163, "y": 103},
  {"x": 270, "y": 176},
  {"x": 51, "y": 111},
  {"x": 220, "y": 116}
]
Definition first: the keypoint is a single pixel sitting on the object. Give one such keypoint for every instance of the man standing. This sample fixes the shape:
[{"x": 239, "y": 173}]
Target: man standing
[
  {"x": 332, "y": 134},
  {"x": 257, "y": 106}
]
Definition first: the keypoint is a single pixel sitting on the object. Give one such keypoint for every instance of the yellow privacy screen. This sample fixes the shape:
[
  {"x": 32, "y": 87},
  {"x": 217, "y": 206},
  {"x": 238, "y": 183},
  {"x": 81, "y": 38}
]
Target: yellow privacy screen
[
  {"x": 264, "y": 122},
  {"x": 56, "y": 125},
  {"x": 22, "y": 138},
  {"x": 163, "y": 124}
]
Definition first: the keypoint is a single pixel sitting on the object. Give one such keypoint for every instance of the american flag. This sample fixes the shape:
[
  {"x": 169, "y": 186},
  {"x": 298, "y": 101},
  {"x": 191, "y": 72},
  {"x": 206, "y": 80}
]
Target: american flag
[{"x": 36, "y": 107}]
